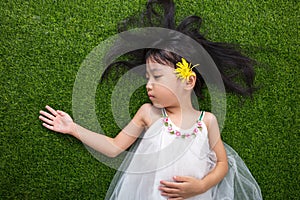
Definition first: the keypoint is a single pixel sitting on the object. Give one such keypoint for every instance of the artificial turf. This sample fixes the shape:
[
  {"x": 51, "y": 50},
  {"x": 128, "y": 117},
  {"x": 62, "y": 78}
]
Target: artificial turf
[{"x": 43, "y": 44}]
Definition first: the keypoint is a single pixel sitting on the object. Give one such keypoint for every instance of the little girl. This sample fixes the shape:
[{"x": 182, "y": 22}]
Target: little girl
[{"x": 181, "y": 154}]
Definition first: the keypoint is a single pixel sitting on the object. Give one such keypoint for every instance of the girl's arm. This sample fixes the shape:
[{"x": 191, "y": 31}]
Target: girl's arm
[
  {"x": 221, "y": 168},
  {"x": 61, "y": 122},
  {"x": 186, "y": 186}
]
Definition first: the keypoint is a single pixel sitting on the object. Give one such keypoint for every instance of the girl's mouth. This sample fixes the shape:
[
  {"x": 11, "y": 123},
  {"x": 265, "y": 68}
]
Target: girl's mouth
[{"x": 150, "y": 96}]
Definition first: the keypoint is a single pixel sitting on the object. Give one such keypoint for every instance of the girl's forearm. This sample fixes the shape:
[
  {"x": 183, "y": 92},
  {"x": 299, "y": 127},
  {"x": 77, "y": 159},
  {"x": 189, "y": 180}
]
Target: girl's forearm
[
  {"x": 215, "y": 176},
  {"x": 98, "y": 142}
]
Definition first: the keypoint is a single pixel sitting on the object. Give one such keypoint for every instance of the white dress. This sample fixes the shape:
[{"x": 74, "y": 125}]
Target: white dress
[{"x": 165, "y": 151}]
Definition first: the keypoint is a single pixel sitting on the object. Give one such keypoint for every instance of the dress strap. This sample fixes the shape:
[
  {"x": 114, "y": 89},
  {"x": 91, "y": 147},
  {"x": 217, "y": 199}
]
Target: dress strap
[
  {"x": 164, "y": 112},
  {"x": 201, "y": 115}
]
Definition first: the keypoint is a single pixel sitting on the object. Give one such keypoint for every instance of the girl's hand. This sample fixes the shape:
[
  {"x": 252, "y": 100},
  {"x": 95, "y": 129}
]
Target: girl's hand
[
  {"x": 183, "y": 187},
  {"x": 57, "y": 120}
]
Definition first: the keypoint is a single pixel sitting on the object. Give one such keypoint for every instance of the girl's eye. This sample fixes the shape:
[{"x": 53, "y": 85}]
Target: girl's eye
[{"x": 156, "y": 77}]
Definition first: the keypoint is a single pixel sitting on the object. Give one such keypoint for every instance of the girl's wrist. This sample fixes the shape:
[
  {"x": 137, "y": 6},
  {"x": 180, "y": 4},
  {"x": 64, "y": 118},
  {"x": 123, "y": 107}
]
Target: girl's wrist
[
  {"x": 202, "y": 187},
  {"x": 73, "y": 131}
]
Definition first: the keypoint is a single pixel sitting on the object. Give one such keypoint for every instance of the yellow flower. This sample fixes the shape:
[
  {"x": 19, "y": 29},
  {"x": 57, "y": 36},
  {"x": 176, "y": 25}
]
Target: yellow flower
[{"x": 184, "y": 70}]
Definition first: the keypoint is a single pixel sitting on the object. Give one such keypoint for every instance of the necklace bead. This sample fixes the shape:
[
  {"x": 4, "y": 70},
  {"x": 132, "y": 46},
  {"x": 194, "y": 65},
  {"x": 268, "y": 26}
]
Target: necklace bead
[{"x": 178, "y": 133}]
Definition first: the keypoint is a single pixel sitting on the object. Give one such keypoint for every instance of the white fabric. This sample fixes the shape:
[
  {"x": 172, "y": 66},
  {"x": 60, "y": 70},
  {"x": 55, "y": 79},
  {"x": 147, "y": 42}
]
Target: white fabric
[
  {"x": 161, "y": 155},
  {"x": 239, "y": 182}
]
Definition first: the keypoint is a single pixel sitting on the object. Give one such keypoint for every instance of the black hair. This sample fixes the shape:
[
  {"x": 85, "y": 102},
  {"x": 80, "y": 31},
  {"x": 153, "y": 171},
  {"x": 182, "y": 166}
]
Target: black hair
[{"x": 236, "y": 69}]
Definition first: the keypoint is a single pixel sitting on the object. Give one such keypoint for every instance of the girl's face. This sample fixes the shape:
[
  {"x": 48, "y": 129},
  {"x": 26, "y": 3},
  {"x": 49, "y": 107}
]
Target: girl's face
[{"x": 163, "y": 86}]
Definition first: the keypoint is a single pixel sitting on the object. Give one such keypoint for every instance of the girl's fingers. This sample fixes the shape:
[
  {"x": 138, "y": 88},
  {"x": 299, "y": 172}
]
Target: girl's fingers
[
  {"x": 169, "y": 190},
  {"x": 61, "y": 113},
  {"x": 51, "y": 110},
  {"x": 46, "y": 114},
  {"x": 168, "y": 184},
  {"x": 48, "y": 126},
  {"x": 170, "y": 195},
  {"x": 46, "y": 120}
]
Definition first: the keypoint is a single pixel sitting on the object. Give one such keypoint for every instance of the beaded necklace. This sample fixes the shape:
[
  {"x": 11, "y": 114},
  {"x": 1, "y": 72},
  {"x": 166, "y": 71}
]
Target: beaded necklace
[{"x": 171, "y": 130}]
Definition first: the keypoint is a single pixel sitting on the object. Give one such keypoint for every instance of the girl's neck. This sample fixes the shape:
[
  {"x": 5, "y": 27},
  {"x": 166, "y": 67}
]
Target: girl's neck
[
  {"x": 179, "y": 110},
  {"x": 182, "y": 116},
  {"x": 182, "y": 107}
]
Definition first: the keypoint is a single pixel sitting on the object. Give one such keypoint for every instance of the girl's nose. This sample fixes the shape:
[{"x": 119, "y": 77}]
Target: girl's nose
[{"x": 149, "y": 85}]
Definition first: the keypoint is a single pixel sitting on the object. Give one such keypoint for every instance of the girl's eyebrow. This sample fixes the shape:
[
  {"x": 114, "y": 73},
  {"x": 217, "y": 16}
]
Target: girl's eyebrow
[{"x": 154, "y": 70}]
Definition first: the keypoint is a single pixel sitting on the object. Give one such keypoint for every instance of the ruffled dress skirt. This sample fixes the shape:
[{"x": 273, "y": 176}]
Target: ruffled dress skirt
[{"x": 160, "y": 155}]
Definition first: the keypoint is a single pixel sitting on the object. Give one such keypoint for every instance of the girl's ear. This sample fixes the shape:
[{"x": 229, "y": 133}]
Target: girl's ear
[{"x": 190, "y": 83}]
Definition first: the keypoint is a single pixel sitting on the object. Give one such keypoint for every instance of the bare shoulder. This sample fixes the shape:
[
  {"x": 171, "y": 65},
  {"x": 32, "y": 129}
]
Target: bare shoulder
[
  {"x": 210, "y": 119},
  {"x": 145, "y": 109},
  {"x": 213, "y": 130},
  {"x": 147, "y": 113}
]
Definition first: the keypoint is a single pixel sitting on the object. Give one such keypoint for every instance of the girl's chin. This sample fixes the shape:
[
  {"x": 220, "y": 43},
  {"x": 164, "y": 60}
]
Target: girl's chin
[{"x": 157, "y": 105}]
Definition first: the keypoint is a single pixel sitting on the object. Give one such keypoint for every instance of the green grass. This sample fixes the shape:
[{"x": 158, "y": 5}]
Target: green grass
[{"x": 43, "y": 44}]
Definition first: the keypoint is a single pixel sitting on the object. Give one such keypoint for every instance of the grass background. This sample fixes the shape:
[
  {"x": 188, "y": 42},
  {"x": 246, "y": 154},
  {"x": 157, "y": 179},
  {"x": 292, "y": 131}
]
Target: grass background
[{"x": 43, "y": 44}]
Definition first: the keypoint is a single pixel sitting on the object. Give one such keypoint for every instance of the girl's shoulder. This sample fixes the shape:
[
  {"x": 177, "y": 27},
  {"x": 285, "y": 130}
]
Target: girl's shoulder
[
  {"x": 209, "y": 119},
  {"x": 213, "y": 130},
  {"x": 149, "y": 109},
  {"x": 149, "y": 114},
  {"x": 208, "y": 115}
]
